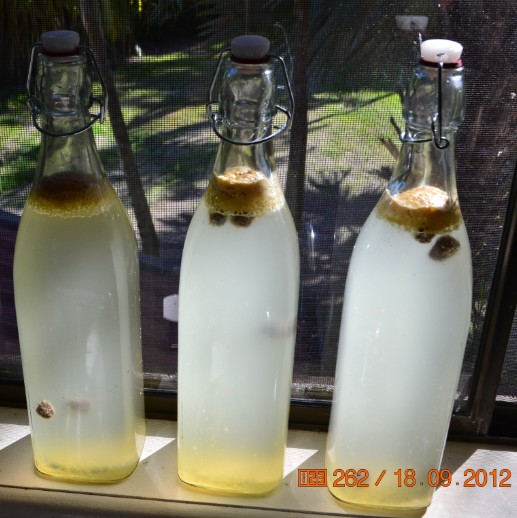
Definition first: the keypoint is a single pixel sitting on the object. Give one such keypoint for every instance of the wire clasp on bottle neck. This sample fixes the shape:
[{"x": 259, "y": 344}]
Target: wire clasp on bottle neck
[
  {"x": 439, "y": 140},
  {"x": 216, "y": 119},
  {"x": 36, "y": 111}
]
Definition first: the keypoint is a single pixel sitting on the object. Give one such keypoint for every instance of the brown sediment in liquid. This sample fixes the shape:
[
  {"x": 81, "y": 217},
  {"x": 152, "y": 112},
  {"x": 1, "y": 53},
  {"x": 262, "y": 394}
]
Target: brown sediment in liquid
[
  {"x": 45, "y": 409},
  {"x": 424, "y": 210},
  {"x": 72, "y": 194},
  {"x": 444, "y": 247},
  {"x": 241, "y": 191}
]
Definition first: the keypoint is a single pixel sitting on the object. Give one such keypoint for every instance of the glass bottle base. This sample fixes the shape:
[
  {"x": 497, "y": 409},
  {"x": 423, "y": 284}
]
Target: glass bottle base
[
  {"x": 244, "y": 488},
  {"x": 87, "y": 476},
  {"x": 396, "y": 504}
]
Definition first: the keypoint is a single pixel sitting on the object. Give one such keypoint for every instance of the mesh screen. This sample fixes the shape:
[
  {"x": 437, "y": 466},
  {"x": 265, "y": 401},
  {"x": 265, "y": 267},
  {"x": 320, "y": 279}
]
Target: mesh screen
[{"x": 355, "y": 57}]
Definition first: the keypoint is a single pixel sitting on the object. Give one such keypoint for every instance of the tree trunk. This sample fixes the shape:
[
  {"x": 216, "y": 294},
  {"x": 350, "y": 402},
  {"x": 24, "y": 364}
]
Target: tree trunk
[
  {"x": 295, "y": 185},
  {"x": 93, "y": 24}
]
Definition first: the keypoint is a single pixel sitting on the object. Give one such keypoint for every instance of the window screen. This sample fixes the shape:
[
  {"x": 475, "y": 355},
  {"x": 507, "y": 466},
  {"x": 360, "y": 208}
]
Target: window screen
[{"x": 348, "y": 63}]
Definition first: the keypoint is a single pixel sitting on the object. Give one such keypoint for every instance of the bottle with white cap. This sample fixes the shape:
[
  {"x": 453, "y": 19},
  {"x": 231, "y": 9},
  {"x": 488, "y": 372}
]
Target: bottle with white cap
[
  {"x": 238, "y": 294},
  {"x": 76, "y": 284},
  {"x": 406, "y": 310}
]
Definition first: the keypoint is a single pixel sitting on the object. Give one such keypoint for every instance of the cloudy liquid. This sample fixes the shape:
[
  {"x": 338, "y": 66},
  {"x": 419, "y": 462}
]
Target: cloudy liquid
[
  {"x": 77, "y": 302},
  {"x": 404, "y": 326},
  {"x": 237, "y": 322}
]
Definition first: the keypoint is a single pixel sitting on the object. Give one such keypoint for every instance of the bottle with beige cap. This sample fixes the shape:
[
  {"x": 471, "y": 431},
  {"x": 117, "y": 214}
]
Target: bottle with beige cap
[
  {"x": 406, "y": 311},
  {"x": 76, "y": 284},
  {"x": 238, "y": 295}
]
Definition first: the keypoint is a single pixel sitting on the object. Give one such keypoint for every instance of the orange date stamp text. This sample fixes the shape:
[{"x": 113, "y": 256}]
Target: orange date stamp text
[
  {"x": 312, "y": 477},
  {"x": 405, "y": 478}
]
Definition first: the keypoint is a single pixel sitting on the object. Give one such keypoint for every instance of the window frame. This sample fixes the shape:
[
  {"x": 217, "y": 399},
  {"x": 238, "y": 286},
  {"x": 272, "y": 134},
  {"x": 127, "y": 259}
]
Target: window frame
[
  {"x": 486, "y": 414},
  {"x": 486, "y": 417}
]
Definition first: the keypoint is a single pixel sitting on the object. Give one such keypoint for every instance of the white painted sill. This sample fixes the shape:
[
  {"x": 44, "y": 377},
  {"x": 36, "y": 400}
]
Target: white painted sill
[{"x": 154, "y": 490}]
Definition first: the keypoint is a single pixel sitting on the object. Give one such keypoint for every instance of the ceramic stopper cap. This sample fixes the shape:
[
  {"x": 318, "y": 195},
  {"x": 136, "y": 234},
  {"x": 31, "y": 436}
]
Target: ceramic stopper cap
[
  {"x": 441, "y": 51},
  {"x": 60, "y": 42},
  {"x": 250, "y": 47}
]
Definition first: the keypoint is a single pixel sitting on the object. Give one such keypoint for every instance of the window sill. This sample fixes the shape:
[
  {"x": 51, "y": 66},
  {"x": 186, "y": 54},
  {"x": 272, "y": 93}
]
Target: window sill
[{"x": 154, "y": 490}]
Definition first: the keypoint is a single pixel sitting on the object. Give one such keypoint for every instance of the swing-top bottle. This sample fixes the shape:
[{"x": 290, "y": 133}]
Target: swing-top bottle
[
  {"x": 238, "y": 294},
  {"x": 406, "y": 310},
  {"x": 76, "y": 283}
]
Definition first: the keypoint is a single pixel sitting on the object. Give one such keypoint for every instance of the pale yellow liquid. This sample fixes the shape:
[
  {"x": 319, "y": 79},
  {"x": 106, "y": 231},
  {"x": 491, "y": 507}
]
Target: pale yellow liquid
[
  {"x": 233, "y": 468},
  {"x": 237, "y": 327},
  {"x": 77, "y": 300}
]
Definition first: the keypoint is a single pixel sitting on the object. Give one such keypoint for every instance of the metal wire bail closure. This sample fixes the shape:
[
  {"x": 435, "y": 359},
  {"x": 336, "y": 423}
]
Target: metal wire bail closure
[
  {"x": 36, "y": 111},
  {"x": 439, "y": 140},
  {"x": 216, "y": 120}
]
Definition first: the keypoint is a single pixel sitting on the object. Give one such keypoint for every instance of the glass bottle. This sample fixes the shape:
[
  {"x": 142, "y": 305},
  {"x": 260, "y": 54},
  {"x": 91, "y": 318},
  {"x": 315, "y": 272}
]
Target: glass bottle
[
  {"x": 76, "y": 284},
  {"x": 238, "y": 295},
  {"x": 407, "y": 304}
]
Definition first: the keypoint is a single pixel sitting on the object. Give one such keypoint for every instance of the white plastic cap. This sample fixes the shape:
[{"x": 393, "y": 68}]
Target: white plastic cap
[
  {"x": 60, "y": 42},
  {"x": 250, "y": 47},
  {"x": 441, "y": 51}
]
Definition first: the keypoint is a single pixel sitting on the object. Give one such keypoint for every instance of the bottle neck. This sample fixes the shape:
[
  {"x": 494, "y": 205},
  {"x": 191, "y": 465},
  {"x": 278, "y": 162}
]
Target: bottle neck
[
  {"x": 422, "y": 163},
  {"x": 72, "y": 154},
  {"x": 432, "y": 96},
  {"x": 63, "y": 96},
  {"x": 246, "y": 100},
  {"x": 63, "y": 91},
  {"x": 258, "y": 157}
]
